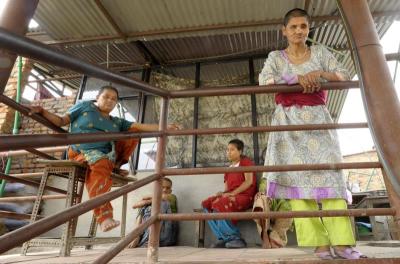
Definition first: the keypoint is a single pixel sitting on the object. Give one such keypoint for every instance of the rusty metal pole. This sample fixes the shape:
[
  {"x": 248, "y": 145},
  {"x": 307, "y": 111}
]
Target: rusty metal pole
[
  {"x": 15, "y": 17},
  {"x": 275, "y": 214},
  {"x": 152, "y": 250},
  {"x": 377, "y": 88},
  {"x": 30, "y": 183},
  {"x": 394, "y": 199}
]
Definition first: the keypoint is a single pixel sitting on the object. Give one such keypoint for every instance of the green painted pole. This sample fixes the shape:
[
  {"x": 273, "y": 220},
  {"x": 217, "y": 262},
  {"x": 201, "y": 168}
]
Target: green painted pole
[{"x": 16, "y": 123}]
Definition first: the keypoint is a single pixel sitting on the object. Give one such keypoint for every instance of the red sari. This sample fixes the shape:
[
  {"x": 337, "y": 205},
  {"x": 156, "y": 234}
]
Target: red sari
[{"x": 239, "y": 202}]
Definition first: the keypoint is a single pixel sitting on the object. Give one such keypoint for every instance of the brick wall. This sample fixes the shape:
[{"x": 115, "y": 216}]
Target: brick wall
[
  {"x": 367, "y": 179},
  {"x": 7, "y": 113},
  {"x": 25, "y": 164}
]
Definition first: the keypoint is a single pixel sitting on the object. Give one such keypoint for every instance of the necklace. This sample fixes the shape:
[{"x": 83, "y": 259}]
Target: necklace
[{"x": 297, "y": 57}]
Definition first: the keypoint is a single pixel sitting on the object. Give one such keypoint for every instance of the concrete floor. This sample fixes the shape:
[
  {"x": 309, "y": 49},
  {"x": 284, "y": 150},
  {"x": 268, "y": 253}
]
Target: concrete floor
[{"x": 378, "y": 252}]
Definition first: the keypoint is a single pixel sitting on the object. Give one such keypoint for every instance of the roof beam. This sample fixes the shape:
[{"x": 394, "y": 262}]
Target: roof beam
[
  {"x": 183, "y": 30},
  {"x": 109, "y": 18},
  {"x": 307, "y": 5},
  {"x": 146, "y": 53}
]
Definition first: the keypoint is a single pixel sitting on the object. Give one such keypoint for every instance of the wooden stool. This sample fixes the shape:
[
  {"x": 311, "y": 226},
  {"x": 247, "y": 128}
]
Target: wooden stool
[
  {"x": 75, "y": 172},
  {"x": 199, "y": 230}
]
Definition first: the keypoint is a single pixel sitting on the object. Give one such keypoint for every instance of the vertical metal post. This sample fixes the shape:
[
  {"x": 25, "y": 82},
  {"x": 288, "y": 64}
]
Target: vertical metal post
[
  {"x": 152, "y": 250},
  {"x": 195, "y": 116},
  {"x": 82, "y": 88},
  {"x": 254, "y": 113},
  {"x": 146, "y": 73},
  {"x": 377, "y": 88},
  {"x": 15, "y": 17},
  {"x": 15, "y": 131},
  {"x": 394, "y": 199}
]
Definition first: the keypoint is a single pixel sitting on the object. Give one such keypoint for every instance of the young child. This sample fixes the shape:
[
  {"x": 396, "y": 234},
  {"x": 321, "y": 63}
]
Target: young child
[{"x": 169, "y": 229}]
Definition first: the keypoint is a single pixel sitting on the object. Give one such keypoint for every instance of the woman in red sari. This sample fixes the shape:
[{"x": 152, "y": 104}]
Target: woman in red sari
[{"x": 238, "y": 195}]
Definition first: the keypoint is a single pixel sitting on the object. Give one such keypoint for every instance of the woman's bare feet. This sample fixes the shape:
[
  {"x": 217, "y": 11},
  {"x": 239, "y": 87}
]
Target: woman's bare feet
[
  {"x": 323, "y": 252},
  {"x": 109, "y": 224},
  {"x": 275, "y": 244}
]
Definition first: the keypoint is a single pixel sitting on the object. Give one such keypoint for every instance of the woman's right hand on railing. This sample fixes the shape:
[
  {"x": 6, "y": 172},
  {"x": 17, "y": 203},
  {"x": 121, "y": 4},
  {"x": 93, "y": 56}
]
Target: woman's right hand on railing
[{"x": 310, "y": 81}]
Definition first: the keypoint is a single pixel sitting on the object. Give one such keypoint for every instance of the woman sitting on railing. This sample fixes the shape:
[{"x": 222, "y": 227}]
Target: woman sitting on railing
[
  {"x": 102, "y": 157},
  {"x": 238, "y": 195},
  {"x": 308, "y": 66}
]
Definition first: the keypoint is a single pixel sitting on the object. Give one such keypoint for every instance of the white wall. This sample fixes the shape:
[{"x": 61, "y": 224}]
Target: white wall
[{"x": 190, "y": 191}]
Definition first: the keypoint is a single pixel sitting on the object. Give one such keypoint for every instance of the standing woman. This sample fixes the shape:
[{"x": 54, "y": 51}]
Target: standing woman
[
  {"x": 237, "y": 196},
  {"x": 102, "y": 157},
  {"x": 308, "y": 66}
]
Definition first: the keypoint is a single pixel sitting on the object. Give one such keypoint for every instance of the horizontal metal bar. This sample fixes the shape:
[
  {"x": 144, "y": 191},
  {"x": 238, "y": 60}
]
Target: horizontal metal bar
[
  {"x": 28, "y": 175},
  {"x": 24, "y": 141},
  {"x": 52, "y": 79},
  {"x": 33, "y": 49},
  {"x": 392, "y": 56},
  {"x": 40, "y": 154},
  {"x": 16, "y": 237},
  {"x": 17, "y": 153},
  {"x": 276, "y": 88},
  {"x": 30, "y": 183},
  {"x": 31, "y": 198},
  {"x": 272, "y": 168},
  {"x": 26, "y": 111},
  {"x": 12, "y": 215},
  {"x": 124, "y": 242},
  {"x": 46, "y": 140},
  {"x": 275, "y": 215},
  {"x": 226, "y": 130}
]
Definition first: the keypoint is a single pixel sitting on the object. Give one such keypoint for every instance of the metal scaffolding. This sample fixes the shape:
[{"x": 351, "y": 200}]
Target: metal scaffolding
[{"x": 382, "y": 107}]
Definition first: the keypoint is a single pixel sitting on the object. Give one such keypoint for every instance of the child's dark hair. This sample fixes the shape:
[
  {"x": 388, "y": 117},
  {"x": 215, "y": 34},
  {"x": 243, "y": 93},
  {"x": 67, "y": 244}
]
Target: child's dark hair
[
  {"x": 108, "y": 87},
  {"x": 238, "y": 143},
  {"x": 167, "y": 179},
  {"x": 296, "y": 12}
]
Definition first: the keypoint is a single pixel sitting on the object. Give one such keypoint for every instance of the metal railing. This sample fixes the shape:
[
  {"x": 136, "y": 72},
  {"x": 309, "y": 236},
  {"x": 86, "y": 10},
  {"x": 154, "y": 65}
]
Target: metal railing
[{"x": 32, "y": 49}]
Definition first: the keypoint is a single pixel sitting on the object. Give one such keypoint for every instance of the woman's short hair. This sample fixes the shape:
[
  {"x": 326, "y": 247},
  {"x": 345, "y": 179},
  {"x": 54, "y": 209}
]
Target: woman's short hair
[
  {"x": 238, "y": 143},
  {"x": 108, "y": 87},
  {"x": 296, "y": 12}
]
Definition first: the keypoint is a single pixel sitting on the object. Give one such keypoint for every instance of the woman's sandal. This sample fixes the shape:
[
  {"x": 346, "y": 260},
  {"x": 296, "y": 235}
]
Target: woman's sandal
[
  {"x": 349, "y": 253},
  {"x": 324, "y": 255}
]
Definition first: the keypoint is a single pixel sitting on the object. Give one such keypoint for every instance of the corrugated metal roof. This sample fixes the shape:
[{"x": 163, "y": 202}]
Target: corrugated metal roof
[
  {"x": 120, "y": 54},
  {"x": 64, "y": 20},
  {"x": 218, "y": 45},
  {"x": 154, "y": 15},
  {"x": 72, "y": 19}
]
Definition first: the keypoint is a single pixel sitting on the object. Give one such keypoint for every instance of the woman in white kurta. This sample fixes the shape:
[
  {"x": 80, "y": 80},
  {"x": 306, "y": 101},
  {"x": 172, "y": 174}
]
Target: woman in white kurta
[{"x": 308, "y": 66}]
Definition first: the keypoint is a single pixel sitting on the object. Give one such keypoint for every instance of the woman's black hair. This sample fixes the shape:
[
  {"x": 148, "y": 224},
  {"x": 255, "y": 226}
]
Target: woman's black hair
[
  {"x": 167, "y": 180},
  {"x": 296, "y": 12},
  {"x": 238, "y": 143},
  {"x": 108, "y": 87}
]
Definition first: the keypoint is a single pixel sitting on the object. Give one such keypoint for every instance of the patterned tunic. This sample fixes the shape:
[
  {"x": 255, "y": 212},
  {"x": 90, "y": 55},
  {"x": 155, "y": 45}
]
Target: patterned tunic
[
  {"x": 302, "y": 147},
  {"x": 86, "y": 118}
]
